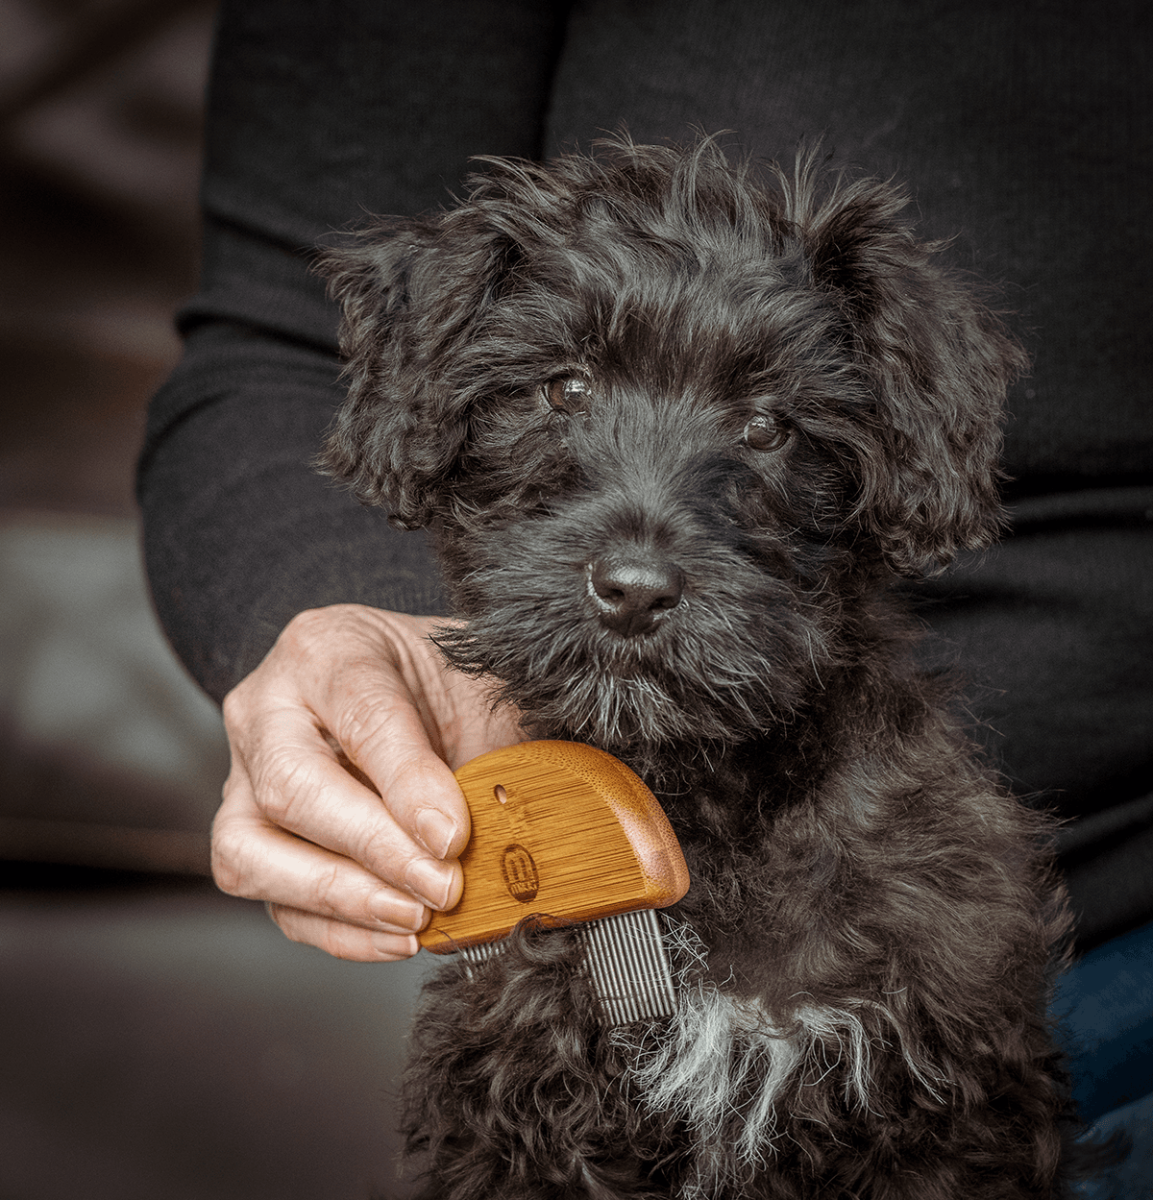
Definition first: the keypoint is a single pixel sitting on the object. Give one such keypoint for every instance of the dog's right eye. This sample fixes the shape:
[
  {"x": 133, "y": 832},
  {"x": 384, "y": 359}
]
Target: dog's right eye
[{"x": 567, "y": 394}]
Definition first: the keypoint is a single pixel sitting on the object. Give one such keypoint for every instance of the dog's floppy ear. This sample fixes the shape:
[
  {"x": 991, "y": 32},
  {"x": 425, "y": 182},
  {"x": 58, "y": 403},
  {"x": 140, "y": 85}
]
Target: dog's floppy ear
[
  {"x": 410, "y": 295},
  {"x": 937, "y": 361}
]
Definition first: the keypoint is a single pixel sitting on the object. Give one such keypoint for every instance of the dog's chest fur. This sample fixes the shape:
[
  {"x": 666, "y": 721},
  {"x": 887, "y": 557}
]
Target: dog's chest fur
[{"x": 675, "y": 434}]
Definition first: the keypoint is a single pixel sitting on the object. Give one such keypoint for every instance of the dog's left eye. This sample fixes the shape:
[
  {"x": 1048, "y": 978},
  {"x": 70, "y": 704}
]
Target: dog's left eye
[
  {"x": 765, "y": 433},
  {"x": 567, "y": 394}
]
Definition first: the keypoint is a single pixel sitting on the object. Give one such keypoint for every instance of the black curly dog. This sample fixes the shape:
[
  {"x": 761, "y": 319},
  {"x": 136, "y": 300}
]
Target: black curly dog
[{"x": 675, "y": 433}]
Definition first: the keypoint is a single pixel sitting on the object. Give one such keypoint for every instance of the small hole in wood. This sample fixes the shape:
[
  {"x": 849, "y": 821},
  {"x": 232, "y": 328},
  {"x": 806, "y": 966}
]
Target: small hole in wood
[{"x": 500, "y": 794}]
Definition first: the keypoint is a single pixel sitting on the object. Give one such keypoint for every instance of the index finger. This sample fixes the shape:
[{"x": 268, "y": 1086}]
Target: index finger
[
  {"x": 382, "y": 734},
  {"x": 385, "y": 704}
]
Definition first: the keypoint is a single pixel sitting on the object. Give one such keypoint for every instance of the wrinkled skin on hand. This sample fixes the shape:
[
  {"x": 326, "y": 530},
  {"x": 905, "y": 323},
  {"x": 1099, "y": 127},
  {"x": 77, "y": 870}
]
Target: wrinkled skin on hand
[{"x": 340, "y": 810}]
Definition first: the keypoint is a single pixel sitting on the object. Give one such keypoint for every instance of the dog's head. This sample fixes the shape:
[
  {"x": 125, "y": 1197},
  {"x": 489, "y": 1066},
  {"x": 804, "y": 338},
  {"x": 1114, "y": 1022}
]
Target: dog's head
[{"x": 667, "y": 421}]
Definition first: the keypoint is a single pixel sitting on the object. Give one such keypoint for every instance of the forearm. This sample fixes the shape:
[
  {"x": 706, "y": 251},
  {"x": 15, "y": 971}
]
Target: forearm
[
  {"x": 317, "y": 116},
  {"x": 240, "y": 532}
]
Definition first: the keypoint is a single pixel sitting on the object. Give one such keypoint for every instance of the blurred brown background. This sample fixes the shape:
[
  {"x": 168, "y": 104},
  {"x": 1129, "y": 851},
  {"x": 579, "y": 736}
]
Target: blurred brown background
[
  {"x": 100, "y": 110},
  {"x": 157, "y": 1039}
]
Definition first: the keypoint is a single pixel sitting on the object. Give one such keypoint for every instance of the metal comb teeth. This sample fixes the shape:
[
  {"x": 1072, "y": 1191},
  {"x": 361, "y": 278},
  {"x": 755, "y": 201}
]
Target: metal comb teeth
[{"x": 627, "y": 964}]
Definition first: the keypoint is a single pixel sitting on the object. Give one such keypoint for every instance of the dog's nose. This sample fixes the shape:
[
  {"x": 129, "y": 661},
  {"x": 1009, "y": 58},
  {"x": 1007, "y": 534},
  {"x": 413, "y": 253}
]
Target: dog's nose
[{"x": 633, "y": 591}]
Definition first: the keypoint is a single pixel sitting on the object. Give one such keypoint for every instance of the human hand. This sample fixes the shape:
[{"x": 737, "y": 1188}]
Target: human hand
[{"x": 340, "y": 810}]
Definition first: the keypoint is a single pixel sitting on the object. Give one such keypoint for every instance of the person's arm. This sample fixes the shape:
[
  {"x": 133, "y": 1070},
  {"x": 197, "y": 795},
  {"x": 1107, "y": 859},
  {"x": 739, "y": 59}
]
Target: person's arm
[{"x": 318, "y": 116}]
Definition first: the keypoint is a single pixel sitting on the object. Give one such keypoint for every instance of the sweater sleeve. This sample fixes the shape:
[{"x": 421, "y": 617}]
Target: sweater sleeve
[{"x": 318, "y": 114}]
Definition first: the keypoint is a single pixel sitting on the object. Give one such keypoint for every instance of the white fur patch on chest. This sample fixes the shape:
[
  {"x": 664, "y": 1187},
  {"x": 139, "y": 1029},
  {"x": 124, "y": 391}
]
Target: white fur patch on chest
[{"x": 723, "y": 1067}]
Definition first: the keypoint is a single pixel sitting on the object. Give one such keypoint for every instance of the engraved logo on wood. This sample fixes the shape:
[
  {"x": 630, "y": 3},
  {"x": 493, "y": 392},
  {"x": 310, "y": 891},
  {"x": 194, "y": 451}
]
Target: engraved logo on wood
[{"x": 520, "y": 874}]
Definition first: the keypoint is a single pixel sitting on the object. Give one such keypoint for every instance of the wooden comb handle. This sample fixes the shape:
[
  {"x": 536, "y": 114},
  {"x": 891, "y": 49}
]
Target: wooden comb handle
[{"x": 562, "y": 831}]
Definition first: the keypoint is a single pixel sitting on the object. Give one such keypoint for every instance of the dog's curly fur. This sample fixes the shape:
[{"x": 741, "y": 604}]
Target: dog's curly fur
[{"x": 675, "y": 433}]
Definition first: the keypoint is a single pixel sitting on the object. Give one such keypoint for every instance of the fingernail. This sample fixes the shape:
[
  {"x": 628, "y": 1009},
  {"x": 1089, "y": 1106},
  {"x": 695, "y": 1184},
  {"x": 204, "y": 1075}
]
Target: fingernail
[
  {"x": 435, "y": 830},
  {"x": 391, "y": 946},
  {"x": 398, "y": 912},
  {"x": 429, "y": 880}
]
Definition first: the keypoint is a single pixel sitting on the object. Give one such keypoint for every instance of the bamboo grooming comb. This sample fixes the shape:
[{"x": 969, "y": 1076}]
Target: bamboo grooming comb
[{"x": 565, "y": 832}]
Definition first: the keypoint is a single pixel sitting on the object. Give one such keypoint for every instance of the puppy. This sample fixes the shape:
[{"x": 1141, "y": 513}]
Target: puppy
[{"x": 675, "y": 434}]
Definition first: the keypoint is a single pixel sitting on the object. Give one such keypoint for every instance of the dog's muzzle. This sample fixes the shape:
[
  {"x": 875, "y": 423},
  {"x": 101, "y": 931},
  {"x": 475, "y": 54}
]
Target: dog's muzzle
[{"x": 634, "y": 591}]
